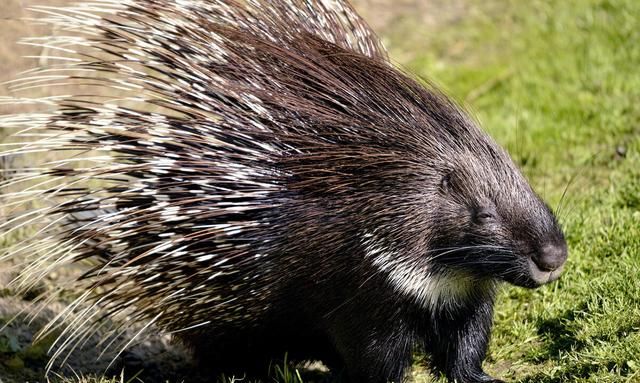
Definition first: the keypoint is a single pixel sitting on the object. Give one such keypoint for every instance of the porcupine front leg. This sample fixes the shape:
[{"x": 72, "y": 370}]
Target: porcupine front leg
[
  {"x": 371, "y": 350},
  {"x": 377, "y": 358},
  {"x": 459, "y": 343}
]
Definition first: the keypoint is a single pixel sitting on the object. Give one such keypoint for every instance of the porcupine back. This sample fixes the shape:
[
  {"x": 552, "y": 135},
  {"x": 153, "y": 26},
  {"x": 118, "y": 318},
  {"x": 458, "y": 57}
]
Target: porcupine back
[{"x": 181, "y": 190}]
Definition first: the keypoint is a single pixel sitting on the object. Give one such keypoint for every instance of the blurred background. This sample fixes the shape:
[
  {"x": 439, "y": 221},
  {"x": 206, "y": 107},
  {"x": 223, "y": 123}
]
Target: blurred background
[{"x": 555, "y": 82}]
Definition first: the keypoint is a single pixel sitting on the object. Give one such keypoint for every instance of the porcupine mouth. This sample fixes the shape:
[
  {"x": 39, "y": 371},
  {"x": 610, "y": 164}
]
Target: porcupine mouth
[{"x": 541, "y": 277}]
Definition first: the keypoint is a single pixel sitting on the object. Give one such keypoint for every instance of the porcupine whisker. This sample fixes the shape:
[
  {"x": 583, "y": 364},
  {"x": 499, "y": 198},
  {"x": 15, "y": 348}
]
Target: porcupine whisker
[
  {"x": 484, "y": 252},
  {"x": 480, "y": 255},
  {"x": 471, "y": 258},
  {"x": 462, "y": 248},
  {"x": 452, "y": 248},
  {"x": 447, "y": 250},
  {"x": 484, "y": 262},
  {"x": 582, "y": 168},
  {"x": 564, "y": 192}
]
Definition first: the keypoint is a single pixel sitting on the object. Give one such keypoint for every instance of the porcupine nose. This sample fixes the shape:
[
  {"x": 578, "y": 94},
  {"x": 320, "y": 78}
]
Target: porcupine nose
[{"x": 551, "y": 256}]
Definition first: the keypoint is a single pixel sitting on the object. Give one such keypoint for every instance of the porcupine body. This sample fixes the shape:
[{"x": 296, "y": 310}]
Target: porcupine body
[{"x": 268, "y": 182}]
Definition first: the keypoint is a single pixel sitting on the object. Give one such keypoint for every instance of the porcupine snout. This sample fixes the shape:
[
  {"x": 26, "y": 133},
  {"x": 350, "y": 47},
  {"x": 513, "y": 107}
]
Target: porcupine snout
[{"x": 551, "y": 256}]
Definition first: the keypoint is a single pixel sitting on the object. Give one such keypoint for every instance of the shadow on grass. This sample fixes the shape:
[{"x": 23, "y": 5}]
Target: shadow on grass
[
  {"x": 559, "y": 335},
  {"x": 561, "y": 338}
]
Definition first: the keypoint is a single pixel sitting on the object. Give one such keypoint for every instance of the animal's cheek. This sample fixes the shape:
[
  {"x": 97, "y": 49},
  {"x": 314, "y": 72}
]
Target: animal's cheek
[{"x": 486, "y": 232}]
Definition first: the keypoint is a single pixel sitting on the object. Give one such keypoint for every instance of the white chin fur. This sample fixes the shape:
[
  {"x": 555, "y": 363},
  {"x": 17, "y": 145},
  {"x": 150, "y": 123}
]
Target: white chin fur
[{"x": 432, "y": 291}]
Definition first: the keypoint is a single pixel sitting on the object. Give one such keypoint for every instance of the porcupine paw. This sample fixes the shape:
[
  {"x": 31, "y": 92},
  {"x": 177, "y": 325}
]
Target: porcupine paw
[
  {"x": 476, "y": 378},
  {"x": 485, "y": 379},
  {"x": 488, "y": 379}
]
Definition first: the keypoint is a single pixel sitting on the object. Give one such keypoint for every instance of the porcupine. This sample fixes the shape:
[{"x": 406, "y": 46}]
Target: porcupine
[{"x": 270, "y": 183}]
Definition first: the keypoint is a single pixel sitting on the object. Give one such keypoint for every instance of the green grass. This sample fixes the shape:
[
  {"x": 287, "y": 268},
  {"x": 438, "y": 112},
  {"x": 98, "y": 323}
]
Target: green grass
[{"x": 558, "y": 84}]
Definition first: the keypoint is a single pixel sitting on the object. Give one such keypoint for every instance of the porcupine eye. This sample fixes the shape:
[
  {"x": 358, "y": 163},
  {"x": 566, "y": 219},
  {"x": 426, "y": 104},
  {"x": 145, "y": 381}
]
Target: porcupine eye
[
  {"x": 484, "y": 215},
  {"x": 445, "y": 183}
]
